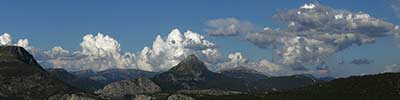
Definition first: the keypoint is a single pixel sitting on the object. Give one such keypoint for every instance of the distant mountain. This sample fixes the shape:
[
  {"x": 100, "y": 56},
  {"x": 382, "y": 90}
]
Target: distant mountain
[
  {"x": 114, "y": 75},
  {"x": 243, "y": 73},
  {"x": 370, "y": 87},
  {"x": 284, "y": 83},
  {"x": 84, "y": 73},
  {"x": 327, "y": 79},
  {"x": 191, "y": 73},
  {"x": 258, "y": 82},
  {"x": 22, "y": 78},
  {"x": 82, "y": 83}
]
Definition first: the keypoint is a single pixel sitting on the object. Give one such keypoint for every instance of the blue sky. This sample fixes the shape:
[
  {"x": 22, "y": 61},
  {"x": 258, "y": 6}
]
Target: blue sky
[{"x": 135, "y": 24}]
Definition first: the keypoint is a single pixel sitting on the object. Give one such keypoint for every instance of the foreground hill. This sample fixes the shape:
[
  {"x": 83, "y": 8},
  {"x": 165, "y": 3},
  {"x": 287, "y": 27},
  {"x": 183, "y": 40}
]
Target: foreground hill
[
  {"x": 127, "y": 88},
  {"x": 22, "y": 78},
  {"x": 370, "y": 87}
]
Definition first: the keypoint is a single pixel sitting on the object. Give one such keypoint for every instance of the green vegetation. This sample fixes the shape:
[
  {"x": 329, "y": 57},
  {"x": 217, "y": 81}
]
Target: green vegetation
[{"x": 371, "y": 87}]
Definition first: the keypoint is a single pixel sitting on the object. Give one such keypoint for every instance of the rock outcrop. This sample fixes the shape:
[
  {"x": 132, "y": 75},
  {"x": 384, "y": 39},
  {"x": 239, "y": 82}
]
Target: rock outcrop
[
  {"x": 180, "y": 97},
  {"x": 128, "y": 88}
]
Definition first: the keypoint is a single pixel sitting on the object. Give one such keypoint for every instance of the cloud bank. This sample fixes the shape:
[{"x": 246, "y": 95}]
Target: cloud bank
[
  {"x": 167, "y": 52},
  {"x": 100, "y": 52},
  {"x": 229, "y": 27},
  {"x": 361, "y": 61},
  {"x": 395, "y": 4},
  {"x": 392, "y": 68},
  {"x": 236, "y": 59},
  {"x": 315, "y": 32}
]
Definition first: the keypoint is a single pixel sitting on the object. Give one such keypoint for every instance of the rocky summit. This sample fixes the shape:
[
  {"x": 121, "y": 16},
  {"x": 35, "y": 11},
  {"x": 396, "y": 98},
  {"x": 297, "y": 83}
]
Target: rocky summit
[
  {"x": 192, "y": 73},
  {"x": 191, "y": 66}
]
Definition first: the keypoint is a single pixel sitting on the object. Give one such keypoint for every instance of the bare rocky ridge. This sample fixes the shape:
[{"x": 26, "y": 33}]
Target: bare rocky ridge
[
  {"x": 179, "y": 97},
  {"x": 127, "y": 88}
]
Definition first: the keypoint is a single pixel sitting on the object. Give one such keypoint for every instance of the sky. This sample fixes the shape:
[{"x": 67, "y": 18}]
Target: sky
[{"x": 128, "y": 26}]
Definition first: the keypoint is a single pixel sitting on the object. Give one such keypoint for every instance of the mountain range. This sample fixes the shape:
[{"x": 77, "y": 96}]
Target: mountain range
[
  {"x": 22, "y": 78},
  {"x": 83, "y": 83},
  {"x": 113, "y": 75}
]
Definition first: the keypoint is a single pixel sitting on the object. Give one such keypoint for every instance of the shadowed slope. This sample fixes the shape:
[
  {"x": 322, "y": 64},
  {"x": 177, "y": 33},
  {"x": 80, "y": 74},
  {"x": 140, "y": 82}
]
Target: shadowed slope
[{"x": 22, "y": 78}]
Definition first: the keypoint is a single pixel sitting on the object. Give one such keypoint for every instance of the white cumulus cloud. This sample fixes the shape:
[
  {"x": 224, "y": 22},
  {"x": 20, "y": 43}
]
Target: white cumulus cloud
[
  {"x": 99, "y": 45},
  {"x": 269, "y": 68},
  {"x": 315, "y": 32},
  {"x": 392, "y": 68},
  {"x": 99, "y": 52},
  {"x": 23, "y": 43},
  {"x": 166, "y": 53},
  {"x": 5, "y": 39}
]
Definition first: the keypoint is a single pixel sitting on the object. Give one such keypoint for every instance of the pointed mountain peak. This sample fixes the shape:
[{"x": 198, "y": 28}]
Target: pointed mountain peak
[
  {"x": 16, "y": 54},
  {"x": 191, "y": 58},
  {"x": 190, "y": 65}
]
